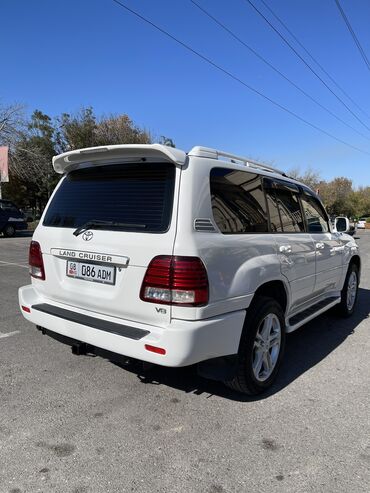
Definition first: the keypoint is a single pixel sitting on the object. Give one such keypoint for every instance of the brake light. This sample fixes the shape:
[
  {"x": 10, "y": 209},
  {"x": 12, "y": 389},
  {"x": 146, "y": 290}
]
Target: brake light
[
  {"x": 36, "y": 262},
  {"x": 173, "y": 280}
]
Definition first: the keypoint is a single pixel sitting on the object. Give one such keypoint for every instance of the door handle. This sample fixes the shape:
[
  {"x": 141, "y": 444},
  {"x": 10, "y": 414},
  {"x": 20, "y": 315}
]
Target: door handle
[
  {"x": 320, "y": 245},
  {"x": 285, "y": 249}
]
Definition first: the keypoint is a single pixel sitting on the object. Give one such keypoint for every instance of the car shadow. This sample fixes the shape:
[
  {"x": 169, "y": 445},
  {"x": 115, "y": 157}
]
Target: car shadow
[{"x": 305, "y": 348}]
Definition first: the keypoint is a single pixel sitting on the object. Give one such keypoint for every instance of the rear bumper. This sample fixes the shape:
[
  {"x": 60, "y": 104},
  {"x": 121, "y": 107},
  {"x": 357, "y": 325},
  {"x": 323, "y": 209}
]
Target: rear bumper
[{"x": 186, "y": 342}]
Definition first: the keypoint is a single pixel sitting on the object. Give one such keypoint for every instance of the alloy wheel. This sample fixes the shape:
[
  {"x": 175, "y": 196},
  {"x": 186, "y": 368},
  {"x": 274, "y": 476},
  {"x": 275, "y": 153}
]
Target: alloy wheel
[
  {"x": 266, "y": 347},
  {"x": 351, "y": 290}
]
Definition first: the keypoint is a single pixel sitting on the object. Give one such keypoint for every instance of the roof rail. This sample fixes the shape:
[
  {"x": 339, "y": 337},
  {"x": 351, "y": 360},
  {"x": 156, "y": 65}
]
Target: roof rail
[{"x": 217, "y": 154}]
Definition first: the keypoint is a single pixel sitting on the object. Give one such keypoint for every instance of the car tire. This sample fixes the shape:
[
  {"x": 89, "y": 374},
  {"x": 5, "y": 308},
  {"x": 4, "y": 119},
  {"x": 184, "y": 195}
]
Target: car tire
[
  {"x": 9, "y": 231},
  {"x": 349, "y": 292},
  {"x": 261, "y": 347}
]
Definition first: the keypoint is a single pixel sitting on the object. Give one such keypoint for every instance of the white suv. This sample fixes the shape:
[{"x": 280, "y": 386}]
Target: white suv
[
  {"x": 361, "y": 223},
  {"x": 176, "y": 259}
]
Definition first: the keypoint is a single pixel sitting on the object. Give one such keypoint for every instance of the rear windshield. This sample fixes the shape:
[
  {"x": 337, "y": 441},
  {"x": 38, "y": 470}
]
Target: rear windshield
[{"x": 137, "y": 195}]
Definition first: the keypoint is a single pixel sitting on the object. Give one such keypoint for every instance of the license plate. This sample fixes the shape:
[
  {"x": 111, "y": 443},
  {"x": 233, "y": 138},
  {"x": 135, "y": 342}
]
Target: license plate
[{"x": 91, "y": 272}]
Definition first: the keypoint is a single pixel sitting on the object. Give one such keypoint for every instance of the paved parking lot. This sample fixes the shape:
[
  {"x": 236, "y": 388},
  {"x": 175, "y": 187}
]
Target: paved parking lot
[{"x": 84, "y": 424}]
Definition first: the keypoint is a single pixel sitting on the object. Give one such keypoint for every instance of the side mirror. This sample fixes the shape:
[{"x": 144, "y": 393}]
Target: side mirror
[{"x": 341, "y": 224}]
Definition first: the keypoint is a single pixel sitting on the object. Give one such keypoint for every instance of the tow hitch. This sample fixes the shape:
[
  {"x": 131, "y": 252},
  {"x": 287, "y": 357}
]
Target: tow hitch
[{"x": 79, "y": 348}]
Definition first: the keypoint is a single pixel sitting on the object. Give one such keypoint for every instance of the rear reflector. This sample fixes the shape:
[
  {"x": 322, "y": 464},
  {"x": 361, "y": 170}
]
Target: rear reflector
[
  {"x": 155, "y": 349},
  {"x": 173, "y": 280},
  {"x": 26, "y": 309},
  {"x": 35, "y": 261}
]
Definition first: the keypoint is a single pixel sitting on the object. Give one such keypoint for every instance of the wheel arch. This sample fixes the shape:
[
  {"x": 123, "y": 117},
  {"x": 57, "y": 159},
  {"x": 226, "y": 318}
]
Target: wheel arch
[
  {"x": 356, "y": 260},
  {"x": 275, "y": 289}
]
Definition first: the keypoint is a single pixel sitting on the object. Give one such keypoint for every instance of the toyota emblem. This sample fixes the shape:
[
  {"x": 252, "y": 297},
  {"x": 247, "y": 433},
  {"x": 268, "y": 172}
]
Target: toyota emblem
[{"x": 87, "y": 236}]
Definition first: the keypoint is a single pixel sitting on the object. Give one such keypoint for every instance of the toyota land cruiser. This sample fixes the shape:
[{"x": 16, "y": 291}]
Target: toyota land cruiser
[{"x": 176, "y": 259}]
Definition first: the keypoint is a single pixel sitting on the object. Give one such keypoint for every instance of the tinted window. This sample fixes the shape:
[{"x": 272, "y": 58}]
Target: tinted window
[
  {"x": 136, "y": 194},
  {"x": 272, "y": 204},
  {"x": 290, "y": 211},
  {"x": 284, "y": 207},
  {"x": 238, "y": 201},
  {"x": 315, "y": 215}
]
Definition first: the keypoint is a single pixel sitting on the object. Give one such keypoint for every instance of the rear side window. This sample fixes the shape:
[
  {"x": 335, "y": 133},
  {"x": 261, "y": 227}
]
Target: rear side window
[
  {"x": 272, "y": 203},
  {"x": 238, "y": 201},
  {"x": 284, "y": 207},
  {"x": 138, "y": 195}
]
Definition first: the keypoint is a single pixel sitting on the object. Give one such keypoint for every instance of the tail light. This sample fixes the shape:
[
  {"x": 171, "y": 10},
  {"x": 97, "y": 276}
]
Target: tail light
[
  {"x": 173, "y": 280},
  {"x": 35, "y": 261}
]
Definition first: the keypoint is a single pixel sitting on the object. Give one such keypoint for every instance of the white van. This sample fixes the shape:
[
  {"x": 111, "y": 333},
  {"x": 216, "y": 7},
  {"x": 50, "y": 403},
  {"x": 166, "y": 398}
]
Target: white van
[{"x": 176, "y": 259}]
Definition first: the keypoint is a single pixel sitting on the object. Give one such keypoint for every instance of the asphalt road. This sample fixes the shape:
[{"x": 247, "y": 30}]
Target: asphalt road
[{"x": 84, "y": 424}]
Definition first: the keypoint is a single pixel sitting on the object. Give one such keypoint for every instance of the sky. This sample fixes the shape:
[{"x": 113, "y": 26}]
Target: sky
[{"x": 61, "y": 56}]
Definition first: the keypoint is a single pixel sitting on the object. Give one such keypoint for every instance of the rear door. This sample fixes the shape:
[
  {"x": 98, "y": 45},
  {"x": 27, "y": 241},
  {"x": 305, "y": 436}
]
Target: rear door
[
  {"x": 295, "y": 246},
  {"x": 328, "y": 247},
  {"x": 141, "y": 198}
]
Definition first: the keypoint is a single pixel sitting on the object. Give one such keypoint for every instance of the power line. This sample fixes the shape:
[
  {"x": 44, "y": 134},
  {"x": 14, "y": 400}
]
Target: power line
[
  {"x": 304, "y": 61},
  {"x": 353, "y": 34},
  {"x": 234, "y": 77},
  {"x": 314, "y": 59},
  {"x": 260, "y": 57}
]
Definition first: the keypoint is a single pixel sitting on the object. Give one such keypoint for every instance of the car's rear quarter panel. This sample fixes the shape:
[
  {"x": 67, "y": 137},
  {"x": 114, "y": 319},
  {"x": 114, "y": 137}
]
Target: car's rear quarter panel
[{"x": 236, "y": 264}]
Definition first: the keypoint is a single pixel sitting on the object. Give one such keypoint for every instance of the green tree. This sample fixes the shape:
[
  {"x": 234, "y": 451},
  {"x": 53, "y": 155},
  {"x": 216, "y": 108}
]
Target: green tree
[
  {"x": 337, "y": 196},
  {"x": 119, "y": 129},
  {"x": 76, "y": 131},
  {"x": 310, "y": 177},
  {"x": 30, "y": 158},
  {"x": 37, "y": 141},
  {"x": 84, "y": 129}
]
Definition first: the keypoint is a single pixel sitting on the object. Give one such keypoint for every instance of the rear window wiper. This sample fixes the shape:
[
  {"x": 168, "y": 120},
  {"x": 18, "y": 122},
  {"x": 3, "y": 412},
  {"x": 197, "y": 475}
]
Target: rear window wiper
[{"x": 96, "y": 223}]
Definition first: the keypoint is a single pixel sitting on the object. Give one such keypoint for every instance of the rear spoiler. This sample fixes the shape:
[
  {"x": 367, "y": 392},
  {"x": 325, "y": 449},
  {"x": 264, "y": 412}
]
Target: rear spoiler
[{"x": 79, "y": 158}]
